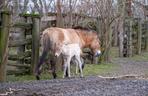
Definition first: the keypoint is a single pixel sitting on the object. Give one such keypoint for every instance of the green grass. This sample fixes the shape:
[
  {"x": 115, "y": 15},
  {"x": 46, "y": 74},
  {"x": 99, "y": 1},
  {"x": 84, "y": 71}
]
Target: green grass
[
  {"x": 44, "y": 76},
  {"x": 90, "y": 69},
  {"x": 114, "y": 52},
  {"x": 13, "y": 78},
  {"x": 98, "y": 69},
  {"x": 141, "y": 57}
]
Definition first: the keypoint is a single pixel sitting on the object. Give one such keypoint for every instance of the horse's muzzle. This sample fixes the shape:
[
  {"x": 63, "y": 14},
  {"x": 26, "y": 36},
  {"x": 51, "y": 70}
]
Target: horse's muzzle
[{"x": 97, "y": 53}]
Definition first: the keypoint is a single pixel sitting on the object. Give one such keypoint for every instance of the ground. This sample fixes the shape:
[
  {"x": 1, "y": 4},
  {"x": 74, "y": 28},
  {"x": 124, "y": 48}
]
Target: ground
[
  {"x": 128, "y": 77},
  {"x": 88, "y": 86}
]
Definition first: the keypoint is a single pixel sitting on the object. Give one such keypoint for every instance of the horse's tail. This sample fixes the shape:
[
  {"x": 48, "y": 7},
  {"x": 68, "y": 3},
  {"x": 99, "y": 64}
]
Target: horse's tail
[{"x": 46, "y": 46}]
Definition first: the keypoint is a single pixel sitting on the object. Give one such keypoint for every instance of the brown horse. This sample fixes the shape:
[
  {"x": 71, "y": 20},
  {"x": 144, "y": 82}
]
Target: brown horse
[{"x": 53, "y": 36}]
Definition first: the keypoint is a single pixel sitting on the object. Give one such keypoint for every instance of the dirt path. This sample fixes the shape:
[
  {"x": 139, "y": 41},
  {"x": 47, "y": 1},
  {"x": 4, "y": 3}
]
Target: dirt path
[
  {"x": 89, "y": 86},
  {"x": 130, "y": 79}
]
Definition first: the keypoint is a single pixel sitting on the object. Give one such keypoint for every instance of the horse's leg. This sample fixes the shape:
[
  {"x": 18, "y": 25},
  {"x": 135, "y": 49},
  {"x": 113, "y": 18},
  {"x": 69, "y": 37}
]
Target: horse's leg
[
  {"x": 37, "y": 69},
  {"x": 76, "y": 62},
  {"x": 66, "y": 74},
  {"x": 65, "y": 67},
  {"x": 80, "y": 65},
  {"x": 83, "y": 63},
  {"x": 53, "y": 68},
  {"x": 46, "y": 46},
  {"x": 76, "y": 68},
  {"x": 68, "y": 65}
]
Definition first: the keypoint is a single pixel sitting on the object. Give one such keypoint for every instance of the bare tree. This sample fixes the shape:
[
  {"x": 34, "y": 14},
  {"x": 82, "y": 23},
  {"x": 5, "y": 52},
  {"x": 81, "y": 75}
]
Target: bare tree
[
  {"x": 59, "y": 14},
  {"x": 106, "y": 13},
  {"x": 1, "y": 3}
]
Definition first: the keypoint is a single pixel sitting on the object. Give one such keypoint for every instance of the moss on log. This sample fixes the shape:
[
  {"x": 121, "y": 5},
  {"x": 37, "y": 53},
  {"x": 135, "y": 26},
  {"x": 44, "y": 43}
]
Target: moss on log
[
  {"x": 19, "y": 65},
  {"x": 23, "y": 25},
  {"x": 19, "y": 57},
  {"x": 27, "y": 60}
]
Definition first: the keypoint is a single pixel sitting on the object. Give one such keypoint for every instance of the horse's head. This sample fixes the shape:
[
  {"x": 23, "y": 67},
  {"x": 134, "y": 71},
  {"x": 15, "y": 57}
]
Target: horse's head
[
  {"x": 90, "y": 39},
  {"x": 57, "y": 49},
  {"x": 95, "y": 45}
]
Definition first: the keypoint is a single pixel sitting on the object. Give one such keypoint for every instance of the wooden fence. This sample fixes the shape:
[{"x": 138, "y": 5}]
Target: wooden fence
[{"x": 27, "y": 48}]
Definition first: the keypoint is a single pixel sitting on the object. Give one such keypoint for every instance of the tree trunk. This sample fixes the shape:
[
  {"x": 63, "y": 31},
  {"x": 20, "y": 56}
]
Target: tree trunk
[
  {"x": 120, "y": 38},
  {"x": 70, "y": 14},
  {"x": 1, "y": 4},
  {"x": 121, "y": 11},
  {"x": 147, "y": 36},
  {"x": 59, "y": 15},
  {"x": 130, "y": 39},
  {"x": 139, "y": 36},
  {"x": 115, "y": 43}
]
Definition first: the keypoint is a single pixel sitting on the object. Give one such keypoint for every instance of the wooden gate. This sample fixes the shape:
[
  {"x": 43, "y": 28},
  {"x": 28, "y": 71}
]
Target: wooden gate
[{"x": 23, "y": 53}]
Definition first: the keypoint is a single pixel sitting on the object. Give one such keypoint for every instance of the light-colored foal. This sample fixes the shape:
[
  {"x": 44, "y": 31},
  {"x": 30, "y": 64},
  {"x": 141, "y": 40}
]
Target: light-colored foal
[{"x": 68, "y": 51}]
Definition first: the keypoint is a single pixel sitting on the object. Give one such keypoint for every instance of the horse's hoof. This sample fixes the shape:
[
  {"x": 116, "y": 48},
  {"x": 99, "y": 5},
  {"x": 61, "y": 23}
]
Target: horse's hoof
[
  {"x": 37, "y": 77},
  {"x": 54, "y": 76},
  {"x": 69, "y": 77}
]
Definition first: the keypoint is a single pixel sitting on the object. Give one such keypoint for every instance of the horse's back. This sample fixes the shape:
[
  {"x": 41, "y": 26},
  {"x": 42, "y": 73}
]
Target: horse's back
[{"x": 61, "y": 35}]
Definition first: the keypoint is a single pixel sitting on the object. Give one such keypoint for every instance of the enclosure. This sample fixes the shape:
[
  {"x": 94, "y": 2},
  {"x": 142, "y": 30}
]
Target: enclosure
[{"x": 122, "y": 28}]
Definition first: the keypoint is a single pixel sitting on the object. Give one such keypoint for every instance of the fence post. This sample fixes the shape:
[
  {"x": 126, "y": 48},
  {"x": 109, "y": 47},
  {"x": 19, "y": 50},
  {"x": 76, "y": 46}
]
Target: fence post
[
  {"x": 35, "y": 42},
  {"x": 4, "y": 37}
]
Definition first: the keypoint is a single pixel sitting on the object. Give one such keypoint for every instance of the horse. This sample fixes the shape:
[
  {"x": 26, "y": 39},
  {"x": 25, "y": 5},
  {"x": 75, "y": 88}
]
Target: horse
[
  {"x": 85, "y": 38},
  {"x": 68, "y": 51}
]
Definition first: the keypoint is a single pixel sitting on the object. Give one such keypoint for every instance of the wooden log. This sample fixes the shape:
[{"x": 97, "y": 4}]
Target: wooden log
[
  {"x": 28, "y": 31},
  {"x": 23, "y": 25},
  {"x": 19, "y": 65},
  {"x": 17, "y": 72},
  {"x": 4, "y": 37},
  {"x": 19, "y": 43},
  {"x": 27, "y": 60},
  {"x": 20, "y": 57},
  {"x": 134, "y": 41},
  {"x": 28, "y": 46},
  {"x": 35, "y": 43},
  {"x": 21, "y": 48}
]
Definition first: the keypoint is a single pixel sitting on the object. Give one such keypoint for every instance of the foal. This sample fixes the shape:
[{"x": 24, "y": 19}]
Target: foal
[{"x": 68, "y": 51}]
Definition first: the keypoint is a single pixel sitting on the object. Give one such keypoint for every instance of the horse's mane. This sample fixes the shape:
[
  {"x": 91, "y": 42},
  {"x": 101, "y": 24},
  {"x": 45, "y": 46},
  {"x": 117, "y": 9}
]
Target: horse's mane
[
  {"x": 86, "y": 29},
  {"x": 81, "y": 28}
]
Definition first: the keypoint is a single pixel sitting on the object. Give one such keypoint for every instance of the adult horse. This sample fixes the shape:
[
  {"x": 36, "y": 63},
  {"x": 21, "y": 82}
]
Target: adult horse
[{"x": 53, "y": 36}]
